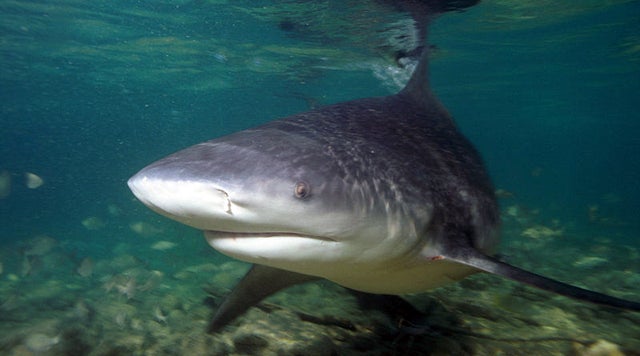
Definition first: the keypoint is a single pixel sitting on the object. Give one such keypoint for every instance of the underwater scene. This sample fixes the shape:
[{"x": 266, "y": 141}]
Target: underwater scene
[{"x": 93, "y": 91}]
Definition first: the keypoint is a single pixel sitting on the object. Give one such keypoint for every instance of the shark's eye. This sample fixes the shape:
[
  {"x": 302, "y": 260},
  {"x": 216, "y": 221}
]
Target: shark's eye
[{"x": 302, "y": 190}]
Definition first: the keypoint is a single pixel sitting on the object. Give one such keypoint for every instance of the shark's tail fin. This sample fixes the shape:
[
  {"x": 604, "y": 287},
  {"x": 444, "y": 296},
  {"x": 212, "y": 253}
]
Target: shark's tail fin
[{"x": 473, "y": 258}]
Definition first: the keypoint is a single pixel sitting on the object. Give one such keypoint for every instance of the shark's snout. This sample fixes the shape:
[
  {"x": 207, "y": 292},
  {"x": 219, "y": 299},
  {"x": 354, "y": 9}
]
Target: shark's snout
[{"x": 191, "y": 202}]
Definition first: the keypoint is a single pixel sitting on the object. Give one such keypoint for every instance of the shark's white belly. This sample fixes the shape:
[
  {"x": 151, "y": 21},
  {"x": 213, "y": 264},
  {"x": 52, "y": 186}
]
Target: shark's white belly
[{"x": 420, "y": 278}]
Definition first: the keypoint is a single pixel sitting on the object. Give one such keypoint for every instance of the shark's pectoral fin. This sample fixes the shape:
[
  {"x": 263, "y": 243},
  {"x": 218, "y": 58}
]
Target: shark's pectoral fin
[
  {"x": 259, "y": 283},
  {"x": 474, "y": 258}
]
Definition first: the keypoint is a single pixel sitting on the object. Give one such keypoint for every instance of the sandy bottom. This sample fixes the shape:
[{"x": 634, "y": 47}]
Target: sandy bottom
[{"x": 154, "y": 296}]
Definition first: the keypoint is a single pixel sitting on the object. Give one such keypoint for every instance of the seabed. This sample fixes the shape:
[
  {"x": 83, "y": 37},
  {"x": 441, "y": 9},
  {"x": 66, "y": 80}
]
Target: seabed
[{"x": 153, "y": 292}]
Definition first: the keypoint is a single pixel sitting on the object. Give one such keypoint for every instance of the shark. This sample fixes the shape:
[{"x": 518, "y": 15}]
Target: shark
[{"x": 382, "y": 195}]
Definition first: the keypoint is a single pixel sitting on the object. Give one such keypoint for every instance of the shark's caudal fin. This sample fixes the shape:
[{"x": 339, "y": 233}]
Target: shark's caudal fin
[
  {"x": 259, "y": 283},
  {"x": 473, "y": 258},
  {"x": 422, "y": 13}
]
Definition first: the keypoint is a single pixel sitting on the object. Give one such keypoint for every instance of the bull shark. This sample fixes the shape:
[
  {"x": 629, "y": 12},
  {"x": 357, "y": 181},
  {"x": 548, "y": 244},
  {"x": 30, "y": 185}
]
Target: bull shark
[{"x": 381, "y": 195}]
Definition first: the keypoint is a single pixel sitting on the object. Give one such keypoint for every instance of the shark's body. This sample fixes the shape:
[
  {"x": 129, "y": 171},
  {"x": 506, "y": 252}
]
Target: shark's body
[{"x": 381, "y": 195}]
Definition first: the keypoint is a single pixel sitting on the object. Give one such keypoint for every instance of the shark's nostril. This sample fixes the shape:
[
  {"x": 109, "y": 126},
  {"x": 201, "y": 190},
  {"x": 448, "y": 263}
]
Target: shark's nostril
[{"x": 227, "y": 202}]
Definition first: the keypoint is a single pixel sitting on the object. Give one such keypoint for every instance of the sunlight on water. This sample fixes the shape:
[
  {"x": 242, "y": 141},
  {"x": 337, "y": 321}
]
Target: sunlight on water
[{"x": 92, "y": 91}]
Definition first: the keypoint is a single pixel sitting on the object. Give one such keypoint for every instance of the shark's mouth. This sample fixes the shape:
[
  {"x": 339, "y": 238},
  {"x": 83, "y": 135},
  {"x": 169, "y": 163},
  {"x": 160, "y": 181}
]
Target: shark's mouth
[
  {"x": 214, "y": 235},
  {"x": 284, "y": 250}
]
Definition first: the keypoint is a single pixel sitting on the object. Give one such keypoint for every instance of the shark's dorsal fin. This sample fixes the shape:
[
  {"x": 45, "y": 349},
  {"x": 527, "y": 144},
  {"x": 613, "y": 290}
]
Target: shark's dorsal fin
[
  {"x": 259, "y": 283},
  {"x": 472, "y": 257},
  {"x": 418, "y": 91},
  {"x": 418, "y": 85}
]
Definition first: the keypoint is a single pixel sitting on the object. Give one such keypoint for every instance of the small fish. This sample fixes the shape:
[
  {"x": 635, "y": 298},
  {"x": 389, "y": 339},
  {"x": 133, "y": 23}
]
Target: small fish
[
  {"x": 93, "y": 223},
  {"x": 590, "y": 262},
  {"x": 541, "y": 232},
  {"x": 504, "y": 194},
  {"x": 159, "y": 316},
  {"x": 5, "y": 184},
  {"x": 163, "y": 245},
  {"x": 128, "y": 289},
  {"x": 40, "y": 245},
  {"x": 33, "y": 181},
  {"x": 39, "y": 343},
  {"x": 144, "y": 229},
  {"x": 85, "y": 269},
  {"x": 81, "y": 311},
  {"x": 114, "y": 210},
  {"x": 109, "y": 284},
  {"x": 121, "y": 319}
]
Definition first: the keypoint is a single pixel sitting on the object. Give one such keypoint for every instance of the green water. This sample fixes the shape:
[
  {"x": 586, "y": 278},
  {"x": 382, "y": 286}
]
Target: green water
[{"x": 91, "y": 92}]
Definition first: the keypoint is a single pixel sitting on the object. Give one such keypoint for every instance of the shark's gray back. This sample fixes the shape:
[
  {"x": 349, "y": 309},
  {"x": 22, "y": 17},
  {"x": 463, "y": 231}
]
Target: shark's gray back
[{"x": 414, "y": 155}]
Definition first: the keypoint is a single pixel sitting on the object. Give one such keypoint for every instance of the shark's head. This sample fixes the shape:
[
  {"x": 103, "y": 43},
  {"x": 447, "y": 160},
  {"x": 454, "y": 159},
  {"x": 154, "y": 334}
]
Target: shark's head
[{"x": 276, "y": 198}]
